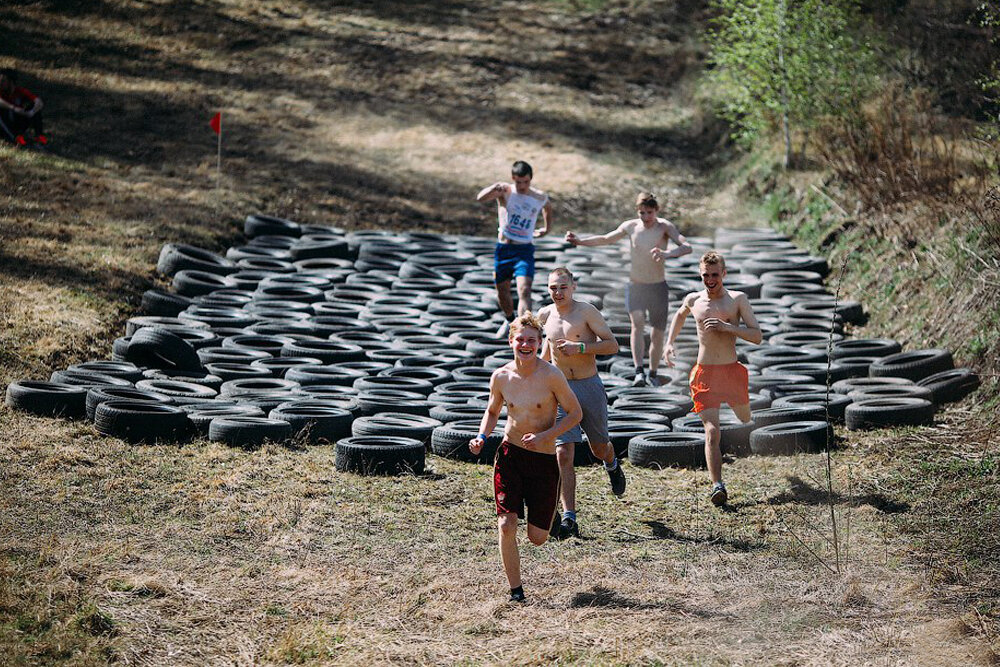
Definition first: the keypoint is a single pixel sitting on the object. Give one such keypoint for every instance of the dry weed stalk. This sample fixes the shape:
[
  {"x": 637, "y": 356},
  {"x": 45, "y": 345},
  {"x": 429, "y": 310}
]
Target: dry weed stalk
[{"x": 896, "y": 150}]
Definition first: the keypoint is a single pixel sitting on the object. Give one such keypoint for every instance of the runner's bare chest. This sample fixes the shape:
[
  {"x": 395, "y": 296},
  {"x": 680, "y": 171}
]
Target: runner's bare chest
[
  {"x": 644, "y": 240},
  {"x": 724, "y": 308}
]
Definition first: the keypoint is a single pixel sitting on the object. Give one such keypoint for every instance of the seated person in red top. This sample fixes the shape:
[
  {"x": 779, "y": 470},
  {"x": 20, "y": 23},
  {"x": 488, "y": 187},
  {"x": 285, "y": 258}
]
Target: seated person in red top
[{"x": 20, "y": 111}]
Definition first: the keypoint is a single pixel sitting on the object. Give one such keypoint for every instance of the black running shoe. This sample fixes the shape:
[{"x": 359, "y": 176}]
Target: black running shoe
[
  {"x": 617, "y": 477},
  {"x": 719, "y": 494},
  {"x": 517, "y": 596},
  {"x": 568, "y": 528},
  {"x": 639, "y": 380}
]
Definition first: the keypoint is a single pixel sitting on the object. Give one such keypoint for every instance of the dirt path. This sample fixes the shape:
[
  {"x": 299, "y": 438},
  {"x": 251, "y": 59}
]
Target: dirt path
[{"x": 389, "y": 118}]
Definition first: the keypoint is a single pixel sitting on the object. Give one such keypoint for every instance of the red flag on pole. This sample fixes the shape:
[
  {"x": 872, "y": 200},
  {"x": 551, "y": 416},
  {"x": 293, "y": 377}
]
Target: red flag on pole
[{"x": 216, "y": 123}]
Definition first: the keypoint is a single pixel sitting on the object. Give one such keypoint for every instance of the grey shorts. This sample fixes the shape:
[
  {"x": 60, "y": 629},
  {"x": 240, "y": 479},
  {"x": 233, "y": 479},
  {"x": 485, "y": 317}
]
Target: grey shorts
[
  {"x": 653, "y": 298},
  {"x": 594, "y": 401}
]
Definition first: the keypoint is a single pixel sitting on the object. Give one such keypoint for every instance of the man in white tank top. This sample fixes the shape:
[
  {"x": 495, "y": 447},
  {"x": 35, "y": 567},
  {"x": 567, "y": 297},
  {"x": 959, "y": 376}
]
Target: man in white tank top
[{"x": 518, "y": 207}]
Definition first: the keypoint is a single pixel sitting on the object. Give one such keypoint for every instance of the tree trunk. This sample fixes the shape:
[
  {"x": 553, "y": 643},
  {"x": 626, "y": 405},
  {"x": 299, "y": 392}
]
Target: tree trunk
[{"x": 786, "y": 131}]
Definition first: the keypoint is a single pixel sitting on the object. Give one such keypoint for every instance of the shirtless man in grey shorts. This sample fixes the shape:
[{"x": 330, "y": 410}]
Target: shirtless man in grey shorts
[
  {"x": 575, "y": 333},
  {"x": 648, "y": 237}
]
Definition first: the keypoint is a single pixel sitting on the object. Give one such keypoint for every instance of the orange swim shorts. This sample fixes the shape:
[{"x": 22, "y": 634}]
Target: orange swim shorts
[{"x": 715, "y": 384}]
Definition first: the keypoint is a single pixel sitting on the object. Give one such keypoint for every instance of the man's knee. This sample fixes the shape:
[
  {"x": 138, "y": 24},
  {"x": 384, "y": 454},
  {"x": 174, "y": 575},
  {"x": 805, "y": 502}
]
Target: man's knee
[
  {"x": 638, "y": 319},
  {"x": 537, "y": 536},
  {"x": 507, "y": 524},
  {"x": 565, "y": 454}
]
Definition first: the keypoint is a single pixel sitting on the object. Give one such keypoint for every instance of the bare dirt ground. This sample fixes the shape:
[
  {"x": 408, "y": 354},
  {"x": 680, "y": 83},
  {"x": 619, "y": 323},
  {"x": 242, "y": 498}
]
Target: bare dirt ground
[{"x": 391, "y": 115}]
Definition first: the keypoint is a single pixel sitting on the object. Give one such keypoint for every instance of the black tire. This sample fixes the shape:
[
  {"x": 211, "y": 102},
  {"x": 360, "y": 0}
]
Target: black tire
[
  {"x": 227, "y": 371},
  {"x": 133, "y": 324},
  {"x": 231, "y": 355},
  {"x": 248, "y": 432},
  {"x": 202, "y": 417},
  {"x": 773, "y": 355},
  {"x": 48, "y": 399},
  {"x": 324, "y": 375},
  {"x": 87, "y": 379},
  {"x": 852, "y": 384},
  {"x": 448, "y": 412},
  {"x": 203, "y": 378},
  {"x": 790, "y": 438},
  {"x": 119, "y": 369},
  {"x": 951, "y": 386},
  {"x": 182, "y": 393},
  {"x": 394, "y": 382},
  {"x": 374, "y": 401},
  {"x": 315, "y": 423},
  {"x": 164, "y": 304},
  {"x": 98, "y": 395},
  {"x": 198, "y": 283},
  {"x": 396, "y": 424},
  {"x": 792, "y": 413},
  {"x": 175, "y": 257},
  {"x": 914, "y": 365},
  {"x": 380, "y": 455},
  {"x": 267, "y": 225},
  {"x": 451, "y": 441},
  {"x": 667, "y": 450},
  {"x": 235, "y": 388},
  {"x": 865, "y": 347},
  {"x": 735, "y": 435},
  {"x": 153, "y": 347},
  {"x": 835, "y": 405},
  {"x": 621, "y": 433},
  {"x": 881, "y": 412},
  {"x": 819, "y": 371},
  {"x": 142, "y": 421},
  {"x": 896, "y": 391},
  {"x": 327, "y": 351}
]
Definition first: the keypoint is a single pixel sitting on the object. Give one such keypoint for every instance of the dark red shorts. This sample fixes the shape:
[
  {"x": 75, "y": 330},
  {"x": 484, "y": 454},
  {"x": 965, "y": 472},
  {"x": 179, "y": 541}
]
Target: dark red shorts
[
  {"x": 715, "y": 384},
  {"x": 523, "y": 478}
]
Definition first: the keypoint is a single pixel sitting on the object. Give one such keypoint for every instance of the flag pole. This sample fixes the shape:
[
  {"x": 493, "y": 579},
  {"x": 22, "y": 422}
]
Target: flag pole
[{"x": 218, "y": 162}]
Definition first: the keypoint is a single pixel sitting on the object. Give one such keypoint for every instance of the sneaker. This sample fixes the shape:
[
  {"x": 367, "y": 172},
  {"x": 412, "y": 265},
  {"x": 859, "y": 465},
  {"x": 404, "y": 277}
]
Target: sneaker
[
  {"x": 42, "y": 139},
  {"x": 504, "y": 330},
  {"x": 617, "y": 477},
  {"x": 568, "y": 528},
  {"x": 654, "y": 380},
  {"x": 639, "y": 380},
  {"x": 21, "y": 141},
  {"x": 517, "y": 596},
  {"x": 556, "y": 528},
  {"x": 719, "y": 494}
]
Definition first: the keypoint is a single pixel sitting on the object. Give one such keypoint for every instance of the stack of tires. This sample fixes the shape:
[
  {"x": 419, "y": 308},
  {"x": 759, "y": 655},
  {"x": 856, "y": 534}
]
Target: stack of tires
[{"x": 384, "y": 343}]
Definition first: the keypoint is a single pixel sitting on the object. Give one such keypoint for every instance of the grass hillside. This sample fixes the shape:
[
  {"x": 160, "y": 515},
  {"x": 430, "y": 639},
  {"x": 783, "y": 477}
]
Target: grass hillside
[{"x": 391, "y": 115}]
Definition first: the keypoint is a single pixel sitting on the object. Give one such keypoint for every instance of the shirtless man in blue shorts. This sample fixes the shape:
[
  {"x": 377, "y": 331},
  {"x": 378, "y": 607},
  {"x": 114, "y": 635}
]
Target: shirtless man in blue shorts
[
  {"x": 518, "y": 208},
  {"x": 648, "y": 237}
]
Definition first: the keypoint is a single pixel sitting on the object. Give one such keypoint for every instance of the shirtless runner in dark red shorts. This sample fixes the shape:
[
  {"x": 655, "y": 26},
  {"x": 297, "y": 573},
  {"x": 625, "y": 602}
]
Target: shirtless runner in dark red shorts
[
  {"x": 718, "y": 377},
  {"x": 526, "y": 473}
]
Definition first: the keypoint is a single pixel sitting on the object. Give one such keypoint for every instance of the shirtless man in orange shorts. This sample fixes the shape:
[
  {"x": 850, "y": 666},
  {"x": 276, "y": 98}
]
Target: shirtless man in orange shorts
[
  {"x": 526, "y": 472},
  {"x": 718, "y": 377}
]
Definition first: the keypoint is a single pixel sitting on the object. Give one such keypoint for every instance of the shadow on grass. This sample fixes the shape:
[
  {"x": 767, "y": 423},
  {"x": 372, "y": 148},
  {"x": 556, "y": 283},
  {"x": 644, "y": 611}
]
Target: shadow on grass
[
  {"x": 804, "y": 493},
  {"x": 599, "y": 596},
  {"x": 661, "y": 531},
  {"x": 145, "y": 128}
]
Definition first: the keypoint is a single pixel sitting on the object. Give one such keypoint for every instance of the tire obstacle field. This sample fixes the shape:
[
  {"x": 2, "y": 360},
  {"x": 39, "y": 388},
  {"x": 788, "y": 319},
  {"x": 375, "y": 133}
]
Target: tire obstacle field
[{"x": 383, "y": 343}]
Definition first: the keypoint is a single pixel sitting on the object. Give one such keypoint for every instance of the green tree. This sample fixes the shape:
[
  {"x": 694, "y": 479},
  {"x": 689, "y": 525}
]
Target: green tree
[{"x": 786, "y": 63}]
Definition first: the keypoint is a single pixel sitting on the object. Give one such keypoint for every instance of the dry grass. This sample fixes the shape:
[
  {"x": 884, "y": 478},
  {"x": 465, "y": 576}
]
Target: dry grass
[{"x": 388, "y": 118}]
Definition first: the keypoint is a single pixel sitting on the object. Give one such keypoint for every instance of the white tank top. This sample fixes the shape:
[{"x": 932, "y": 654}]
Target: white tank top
[{"x": 518, "y": 217}]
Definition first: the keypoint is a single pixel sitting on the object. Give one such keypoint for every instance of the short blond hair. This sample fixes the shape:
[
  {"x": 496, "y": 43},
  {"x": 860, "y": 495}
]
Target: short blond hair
[
  {"x": 647, "y": 199},
  {"x": 526, "y": 320},
  {"x": 713, "y": 257},
  {"x": 563, "y": 271}
]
